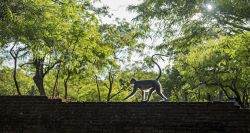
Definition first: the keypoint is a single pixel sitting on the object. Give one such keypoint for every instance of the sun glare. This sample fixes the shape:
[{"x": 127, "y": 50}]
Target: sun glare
[{"x": 209, "y": 7}]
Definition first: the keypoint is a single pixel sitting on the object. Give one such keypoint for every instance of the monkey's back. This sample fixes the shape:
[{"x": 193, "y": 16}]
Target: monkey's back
[{"x": 146, "y": 84}]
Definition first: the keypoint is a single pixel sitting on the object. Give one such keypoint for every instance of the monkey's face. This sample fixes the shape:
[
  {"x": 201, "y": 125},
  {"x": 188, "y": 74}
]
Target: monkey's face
[{"x": 132, "y": 81}]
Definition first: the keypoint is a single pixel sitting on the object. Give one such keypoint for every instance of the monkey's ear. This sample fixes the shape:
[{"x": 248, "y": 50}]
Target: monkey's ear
[{"x": 133, "y": 79}]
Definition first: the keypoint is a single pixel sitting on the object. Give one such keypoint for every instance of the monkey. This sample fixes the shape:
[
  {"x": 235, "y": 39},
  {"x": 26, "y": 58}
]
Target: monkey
[{"x": 148, "y": 85}]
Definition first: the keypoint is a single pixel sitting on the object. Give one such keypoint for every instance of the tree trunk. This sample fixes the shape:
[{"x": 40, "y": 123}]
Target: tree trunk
[
  {"x": 176, "y": 94},
  {"x": 41, "y": 72},
  {"x": 65, "y": 89},
  {"x": 237, "y": 98},
  {"x": 15, "y": 77},
  {"x": 247, "y": 99},
  {"x": 39, "y": 76},
  {"x": 38, "y": 79},
  {"x": 56, "y": 81},
  {"x": 14, "y": 55},
  {"x": 111, "y": 79},
  {"x": 199, "y": 95},
  {"x": 66, "y": 84},
  {"x": 98, "y": 89}
]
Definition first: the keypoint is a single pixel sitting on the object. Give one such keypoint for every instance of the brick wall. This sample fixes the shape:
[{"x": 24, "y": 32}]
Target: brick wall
[{"x": 40, "y": 115}]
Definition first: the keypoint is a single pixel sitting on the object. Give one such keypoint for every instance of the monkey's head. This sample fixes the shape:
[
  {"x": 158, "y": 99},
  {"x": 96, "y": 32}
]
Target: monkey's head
[{"x": 132, "y": 81}]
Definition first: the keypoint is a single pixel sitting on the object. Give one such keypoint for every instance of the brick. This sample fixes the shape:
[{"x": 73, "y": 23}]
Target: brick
[{"x": 38, "y": 114}]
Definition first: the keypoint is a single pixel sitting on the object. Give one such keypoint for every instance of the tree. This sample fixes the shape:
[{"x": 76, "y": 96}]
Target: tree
[
  {"x": 47, "y": 28},
  {"x": 221, "y": 64},
  {"x": 7, "y": 86},
  {"x": 187, "y": 23},
  {"x": 172, "y": 82},
  {"x": 15, "y": 54},
  {"x": 65, "y": 35}
]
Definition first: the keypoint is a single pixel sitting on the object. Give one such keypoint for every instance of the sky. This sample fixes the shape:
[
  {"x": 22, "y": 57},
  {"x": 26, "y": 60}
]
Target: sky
[{"x": 119, "y": 9}]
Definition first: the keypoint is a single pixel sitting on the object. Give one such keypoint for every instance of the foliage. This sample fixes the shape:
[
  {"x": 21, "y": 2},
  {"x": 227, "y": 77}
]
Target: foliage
[
  {"x": 64, "y": 41},
  {"x": 223, "y": 64},
  {"x": 205, "y": 39},
  {"x": 185, "y": 23},
  {"x": 54, "y": 32},
  {"x": 7, "y": 86},
  {"x": 68, "y": 53}
]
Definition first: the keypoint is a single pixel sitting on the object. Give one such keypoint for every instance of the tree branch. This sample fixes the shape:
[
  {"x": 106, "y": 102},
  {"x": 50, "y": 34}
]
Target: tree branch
[
  {"x": 28, "y": 63},
  {"x": 232, "y": 24},
  {"x": 120, "y": 91},
  {"x": 11, "y": 51},
  {"x": 223, "y": 89},
  {"x": 51, "y": 67}
]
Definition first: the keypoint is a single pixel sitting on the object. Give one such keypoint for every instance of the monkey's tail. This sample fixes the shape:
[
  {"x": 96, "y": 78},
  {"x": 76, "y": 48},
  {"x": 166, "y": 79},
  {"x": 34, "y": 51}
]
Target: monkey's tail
[{"x": 152, "y": 58}]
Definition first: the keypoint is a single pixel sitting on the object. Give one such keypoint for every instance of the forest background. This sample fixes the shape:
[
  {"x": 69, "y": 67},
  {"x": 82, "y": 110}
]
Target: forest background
[{"x": 66, "y": 49}]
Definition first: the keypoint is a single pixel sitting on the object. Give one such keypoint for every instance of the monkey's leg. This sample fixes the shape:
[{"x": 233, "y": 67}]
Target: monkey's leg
[
  {"x": 142, "y": 95},
  {"x": 149, "y": 94},
  {"x": 158, "y": 91},
  {"x": 132, "y": 94}
]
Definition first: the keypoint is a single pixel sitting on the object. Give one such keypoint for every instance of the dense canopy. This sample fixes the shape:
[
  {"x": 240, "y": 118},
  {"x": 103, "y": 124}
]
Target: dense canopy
[{"x": 63, "y": 49}]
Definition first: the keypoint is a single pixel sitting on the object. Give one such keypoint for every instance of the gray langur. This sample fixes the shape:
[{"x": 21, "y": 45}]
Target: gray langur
[{"x": 148, "y": 85}]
